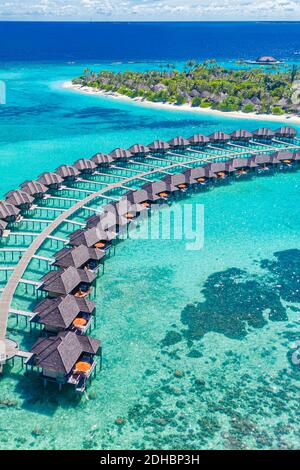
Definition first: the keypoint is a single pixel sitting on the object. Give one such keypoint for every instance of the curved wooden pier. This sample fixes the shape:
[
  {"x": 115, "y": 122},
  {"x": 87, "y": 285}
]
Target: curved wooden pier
[
  {"x": 63, "y": 215},
  {"x": 19, "y": 270}
]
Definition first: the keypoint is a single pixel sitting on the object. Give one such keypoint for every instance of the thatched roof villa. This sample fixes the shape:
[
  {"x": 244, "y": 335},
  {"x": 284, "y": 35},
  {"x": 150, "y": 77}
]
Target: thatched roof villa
[
  {"x": 19, "y": 199},
  {"x": 34, "y": 188},
  {"x": 8, "y": 212},
  {"x": 79, "y": 257},
  {"x": 72, "y": 281},
  {"x": 64, "y": 313},
  {"x": 66, "y": 358}
]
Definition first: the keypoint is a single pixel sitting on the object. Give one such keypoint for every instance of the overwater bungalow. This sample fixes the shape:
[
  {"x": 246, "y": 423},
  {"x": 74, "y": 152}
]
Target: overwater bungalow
[
  {"x": 285, "y": 157},
  {"x": 241, "y": 135},
  {"x": 221, "y": 169},
  {"x": 263, "y": 133},
  {"x": 3, "y": 226},
  {"x": 78, "y": 282},
  {"x": 286, "y": 132},
  {"x": 199, "y": 175},
  {"x": 219, "y": 137},
  {"x": 179, "y": 143},
  {"x": 159, "y": 146},
  {"x": 125, "y": 209},
  {"x": 35, "y": 189},
  {"x": 64, "y": 313},
  {"x": 20, "y": 199},
  {"x": 141, "y": 196},
  {"x": 176, "y": 183},
  {"x": 102, "y": 160},
  {"x": 80, "y": 257},
  {"x": 198, "y": 140},
  {"x": 67, "y": 358},
  {"x": 121, "y": 154},
  {"x": 68, "y": 173},
  {"x": 52, "y": 180},
  {"x": 263, "y": 162},
  {"x": 93, "y": 238},
  {"x": 157, "y": 190},
  {"x": 108, "y": 221},
  {"x": 139, "y": 150},
  {"x": 85, "y": 166},
  {"x": 8, "y": 212},
  {"x": 243, "y": 165}
]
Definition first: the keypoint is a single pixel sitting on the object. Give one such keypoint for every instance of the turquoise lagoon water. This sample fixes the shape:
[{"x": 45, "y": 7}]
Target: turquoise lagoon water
[{"x": 198, "y": 345}]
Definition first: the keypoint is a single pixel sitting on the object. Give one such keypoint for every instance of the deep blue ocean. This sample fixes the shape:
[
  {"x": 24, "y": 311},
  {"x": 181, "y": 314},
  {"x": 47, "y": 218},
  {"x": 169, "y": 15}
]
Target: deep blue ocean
[
  {"x": 147, "y": 41},
  {"x": 197, "y": 344}
]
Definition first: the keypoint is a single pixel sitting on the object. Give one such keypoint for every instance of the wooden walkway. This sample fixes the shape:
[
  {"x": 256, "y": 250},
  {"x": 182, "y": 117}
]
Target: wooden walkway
[
  {"x": 19, "y": 270},
  {"x": 65, "y": 215}
]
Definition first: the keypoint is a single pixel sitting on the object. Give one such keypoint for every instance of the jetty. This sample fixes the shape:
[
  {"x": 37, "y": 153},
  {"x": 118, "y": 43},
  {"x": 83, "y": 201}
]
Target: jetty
[{"x": 101, "y": 186}]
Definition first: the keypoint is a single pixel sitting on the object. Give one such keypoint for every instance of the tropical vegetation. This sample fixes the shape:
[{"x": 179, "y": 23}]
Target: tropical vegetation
[{"x": 206, "y": 85}]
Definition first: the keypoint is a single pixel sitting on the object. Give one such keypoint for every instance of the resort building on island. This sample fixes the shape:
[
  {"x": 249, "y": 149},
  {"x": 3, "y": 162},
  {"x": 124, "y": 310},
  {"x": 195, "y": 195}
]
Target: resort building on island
[
  {"x": 267, "y": 60},
  {"x": 67, "y": 358}
]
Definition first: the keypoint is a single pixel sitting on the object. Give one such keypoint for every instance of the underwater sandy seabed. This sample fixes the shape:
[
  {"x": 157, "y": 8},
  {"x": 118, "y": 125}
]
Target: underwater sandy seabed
[{"x": 198, "y": 345}]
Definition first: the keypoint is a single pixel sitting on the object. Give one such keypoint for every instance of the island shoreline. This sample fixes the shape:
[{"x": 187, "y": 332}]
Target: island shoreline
[{"x": 288, "y": 118}]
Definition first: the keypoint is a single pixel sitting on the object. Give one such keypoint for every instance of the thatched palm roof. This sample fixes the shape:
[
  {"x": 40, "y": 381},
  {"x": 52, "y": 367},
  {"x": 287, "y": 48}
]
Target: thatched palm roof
[
  {"x": 90, "y": 237},
  {"x": 178, "y": 142},
  {"x": 263, "y": 132},
  {"x": 108, "y": 221},
  {"x": 102, "y": 159},
  {"x": 50, "y": 179},
  {"x": 8, "y": 210},
  {"x": 61, "y": 312},
  {"x": 67, "y": 171},
  {"x": 77, "y": 257},
  {"x": 63, "y": 282},
  {"x": 84, "y": 165},
  {"x": 241, "y": 134},
  {"x": 198, "y": 139},
  {"x": 120, "y": 154},
  {"x": 19, "y": 198},
  {"x": 219, "y": 136},
  {"x": 139, "y": 149},
  {"x": 286, "y": 131},
  {"x": 159, "y": 146},
  {"x": 34, "y": 188},
  {"x": 60, "y": 353}
]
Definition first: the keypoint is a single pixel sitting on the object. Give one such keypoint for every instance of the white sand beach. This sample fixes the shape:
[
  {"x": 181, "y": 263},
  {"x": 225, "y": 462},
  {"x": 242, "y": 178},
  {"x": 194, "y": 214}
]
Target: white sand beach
[{"x": 288, "y": 118}]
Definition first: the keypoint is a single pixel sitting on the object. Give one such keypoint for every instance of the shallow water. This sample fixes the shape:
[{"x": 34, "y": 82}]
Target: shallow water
[
  {"x": 197, "y": 344},
  {"x": 44, "y": 125}
]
